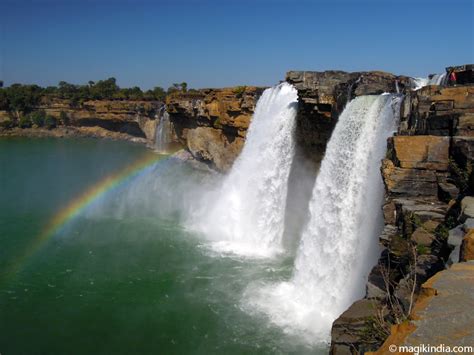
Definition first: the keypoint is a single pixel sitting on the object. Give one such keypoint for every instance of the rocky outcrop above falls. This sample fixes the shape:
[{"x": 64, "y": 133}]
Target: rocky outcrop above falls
[
  {"x": 212, "y": 123},
  {"x": 323, "y": 96},
  {"x": 427, "y": 174}
]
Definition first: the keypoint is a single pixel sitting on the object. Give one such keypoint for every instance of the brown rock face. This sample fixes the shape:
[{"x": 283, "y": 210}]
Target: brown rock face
[
  {"x": 323, "y": 96},
  {"x": 422, "y": 152},
  {"x": 212, "y": 123},
  {"x": 121, "y": 119},
  {"x": 210, "y": 145},
  {"x": 438, "y": 111}
]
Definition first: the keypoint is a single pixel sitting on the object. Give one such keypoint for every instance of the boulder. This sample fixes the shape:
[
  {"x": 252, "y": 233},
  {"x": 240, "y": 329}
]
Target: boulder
[
  {"x": 422, "y": 237},
  {"x": 467, "y": 208}
]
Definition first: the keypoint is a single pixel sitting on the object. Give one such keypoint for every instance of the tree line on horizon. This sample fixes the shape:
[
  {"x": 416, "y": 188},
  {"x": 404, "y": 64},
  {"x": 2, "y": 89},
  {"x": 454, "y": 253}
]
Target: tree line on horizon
[{"x": 24, "y": 98}]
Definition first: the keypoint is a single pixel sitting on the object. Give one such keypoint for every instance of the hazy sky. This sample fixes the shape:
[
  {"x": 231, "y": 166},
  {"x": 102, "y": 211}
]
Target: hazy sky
[{"x": 227, "y": 42}]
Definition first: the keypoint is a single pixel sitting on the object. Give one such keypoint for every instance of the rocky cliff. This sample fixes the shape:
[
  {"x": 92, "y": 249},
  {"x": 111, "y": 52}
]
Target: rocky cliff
[
  {"x": 212, "y": 123},
  {"x": 427, "y": 174},
  {"x": 121, "y": 119},
  {"x": 323, "y": 96}
]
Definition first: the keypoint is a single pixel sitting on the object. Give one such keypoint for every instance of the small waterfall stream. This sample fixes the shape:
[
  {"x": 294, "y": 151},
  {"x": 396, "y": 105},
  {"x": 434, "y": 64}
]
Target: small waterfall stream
[
  {"x": 163, "y": 132},
  {"x": 436, "y": 79}
]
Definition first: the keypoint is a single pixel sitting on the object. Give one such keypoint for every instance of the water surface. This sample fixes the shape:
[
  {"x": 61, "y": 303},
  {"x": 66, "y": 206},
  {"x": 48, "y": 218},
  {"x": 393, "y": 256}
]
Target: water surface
[{"x": 124, "y": 276}]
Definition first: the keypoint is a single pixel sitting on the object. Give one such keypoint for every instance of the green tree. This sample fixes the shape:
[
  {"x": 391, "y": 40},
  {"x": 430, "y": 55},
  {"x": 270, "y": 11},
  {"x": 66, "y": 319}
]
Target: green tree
[
  {"x": 159, "y": 93},
  {"x": 23, "y": 98},
  {"x": 66, "y": 90},
  {"x": 24, "y": 121},
  {"x": 38, "y": 117},
  {"x": 135, "y": 93},
  {"x": 105, "y": 89},
  {"x": 50, "y": 122}
]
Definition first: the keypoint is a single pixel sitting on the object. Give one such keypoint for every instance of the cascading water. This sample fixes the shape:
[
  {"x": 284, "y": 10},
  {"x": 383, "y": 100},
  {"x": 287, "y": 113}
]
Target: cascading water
[
  {"x": 247, "y": 216},
  {"x": 163, "y": 131},
  {"x": 436, "y": 79},
  {"x": 339, "y": 245}
]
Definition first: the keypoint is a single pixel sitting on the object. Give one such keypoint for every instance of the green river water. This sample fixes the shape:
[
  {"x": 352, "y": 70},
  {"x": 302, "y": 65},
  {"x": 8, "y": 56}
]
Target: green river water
[{"x": 124, "y": 276}]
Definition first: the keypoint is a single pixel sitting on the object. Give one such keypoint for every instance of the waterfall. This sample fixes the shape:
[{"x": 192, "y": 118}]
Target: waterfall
[
  {"x": 436, "y": 79},
  {"x": 163, "y": 132},
  {"x": 248, "y": 211},
  {"x": 340, "y": 243}
]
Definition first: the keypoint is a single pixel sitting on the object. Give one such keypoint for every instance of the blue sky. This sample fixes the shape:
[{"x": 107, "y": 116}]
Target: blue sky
[{"x": 227, "y": 42}]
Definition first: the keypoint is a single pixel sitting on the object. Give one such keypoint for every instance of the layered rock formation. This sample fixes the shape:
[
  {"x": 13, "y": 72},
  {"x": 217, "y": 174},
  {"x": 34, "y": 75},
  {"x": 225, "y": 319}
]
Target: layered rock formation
[
  {"x": 120, "y": 119},
  {"x": 427, "y": 173},
  {"x": 212, "y": 123},
  {"x": 323, "y": 96}
]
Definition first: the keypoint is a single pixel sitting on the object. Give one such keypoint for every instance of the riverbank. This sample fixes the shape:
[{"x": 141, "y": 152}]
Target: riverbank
[{"x": 70, "y": 132}]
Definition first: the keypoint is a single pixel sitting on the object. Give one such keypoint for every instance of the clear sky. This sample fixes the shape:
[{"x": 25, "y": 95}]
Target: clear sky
[{"x": 210, "y": 43}]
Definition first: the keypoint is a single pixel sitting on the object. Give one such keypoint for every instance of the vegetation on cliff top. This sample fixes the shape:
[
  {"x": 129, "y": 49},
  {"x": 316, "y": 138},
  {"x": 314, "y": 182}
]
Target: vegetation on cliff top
[{"x": 24, "y": 98}]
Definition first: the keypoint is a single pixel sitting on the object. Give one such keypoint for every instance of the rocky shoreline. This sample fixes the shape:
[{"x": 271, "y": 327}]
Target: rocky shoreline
[
  {"x": 71, "y": 132},
  {"x": 134, "y": 121}
]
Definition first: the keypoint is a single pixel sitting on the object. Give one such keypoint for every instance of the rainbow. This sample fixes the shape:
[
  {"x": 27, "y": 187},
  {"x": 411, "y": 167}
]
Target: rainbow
[{"x": 81, "y": 202}]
